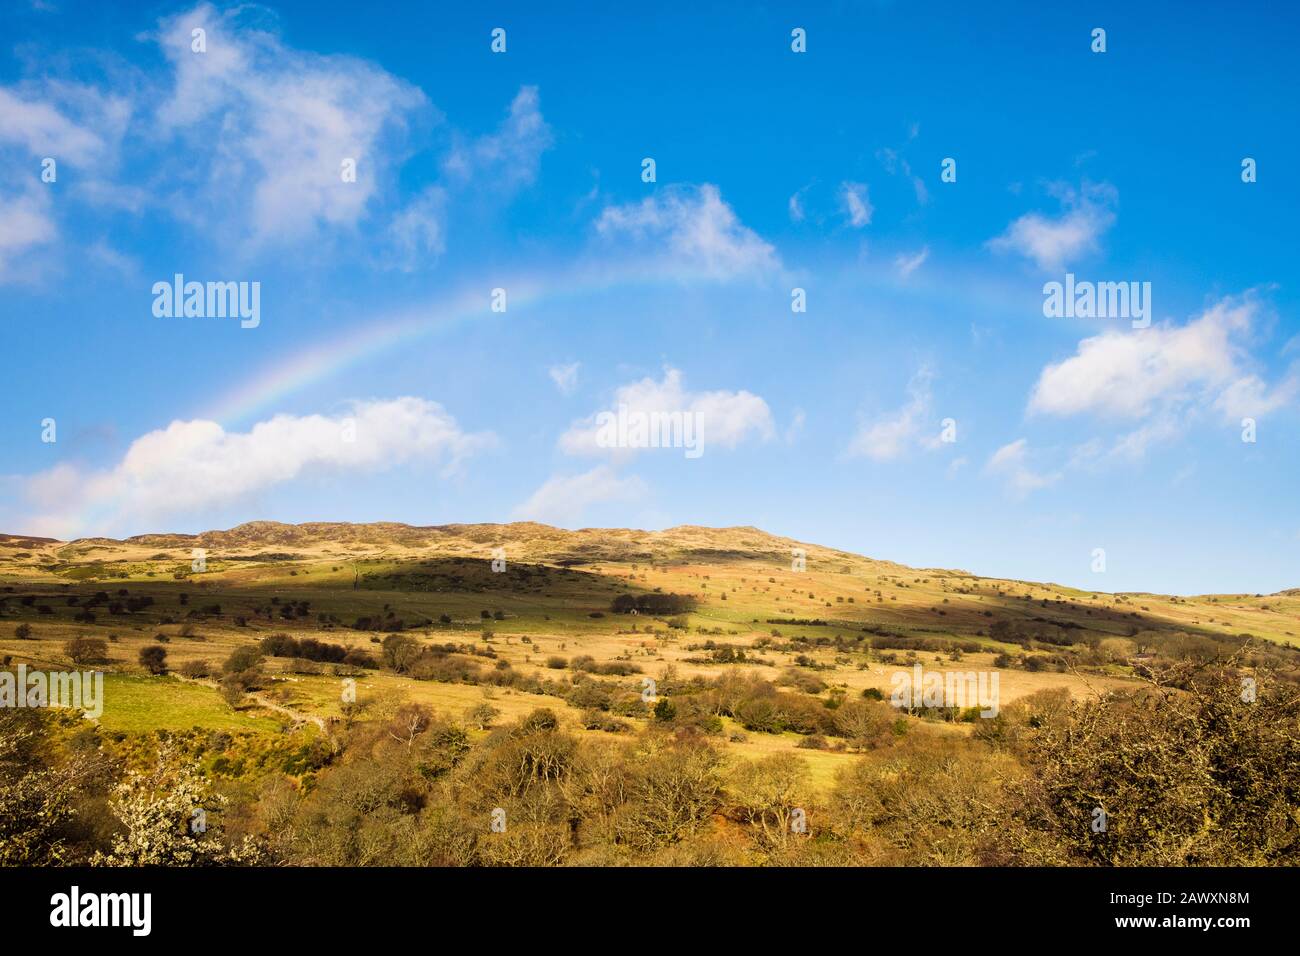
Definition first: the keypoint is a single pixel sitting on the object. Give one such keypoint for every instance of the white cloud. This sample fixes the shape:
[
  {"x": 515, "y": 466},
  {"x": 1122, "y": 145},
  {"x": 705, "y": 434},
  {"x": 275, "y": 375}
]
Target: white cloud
[
  {"x": 795, "y": 206},
  {"x": 103, "y": 254},
  {"x": 275, "y": 124},
  {"x": 416, "y": 235},
  {"x": 857, "y": 206},
  {"x": 896, "y": 163},
  {"x": 1133, "y": 445},
  {"x": 723, "y": 418},
  {"x": 1011, "y": 463},
  {"x": 192, "y": 465},
  {"x": 26, "y": 222},
  {"x": 38, "y": 122},
  {"x": 906, "y": 264},
  {"x": 564, "y": 499},
  {"x": 1132, "y": 374},
  {"x": 1054, "y": 244},
  {"x": 511, "y": 156},
  {"x": 1251, "y": 397},
  {"x": 74, "y": 125},
  {"x": 795, "y": 428},
  {"x": 690, "y": 230},
  {"x": 889, "y": 437},
  {"x": 565, "y": 377}
]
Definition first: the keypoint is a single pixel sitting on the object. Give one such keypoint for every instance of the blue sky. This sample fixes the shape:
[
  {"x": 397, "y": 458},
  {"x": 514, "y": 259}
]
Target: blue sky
[{"x": 775, "y": 170}]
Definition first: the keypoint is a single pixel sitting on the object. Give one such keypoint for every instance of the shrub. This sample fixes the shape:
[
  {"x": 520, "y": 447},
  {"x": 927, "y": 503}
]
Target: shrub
[
  {"x": 652, "y": 604},
  {"x": 673, "y": 792},
  {"x": 1186, "y": 771},
  {"x": 243, "y": 667},
  {"x": 481, "y": 715},
  {"x": 865, "y": 725},
  {"x": 154, "y": 659},
  {"x": 195, "y": 669},
  {"x": 232, "y": 690},
  {"x": 594, "y": 719},
  {"x": 664, "y": 710},
  {"x": 23, "y": 631},
  {"x": 242, "y": 659},
  {"x": 400, "y": 652},
  {"x": 86, "y": 650}
]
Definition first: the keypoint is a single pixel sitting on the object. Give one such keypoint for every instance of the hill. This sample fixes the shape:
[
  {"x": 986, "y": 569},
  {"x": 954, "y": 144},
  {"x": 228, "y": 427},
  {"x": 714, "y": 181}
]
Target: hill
[{"x": 267, "y": 650}]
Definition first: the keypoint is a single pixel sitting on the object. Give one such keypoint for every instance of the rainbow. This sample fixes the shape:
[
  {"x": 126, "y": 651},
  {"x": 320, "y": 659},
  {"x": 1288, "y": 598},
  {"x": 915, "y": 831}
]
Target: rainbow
[
  {"x": 265, "y": 390},
  {"x": 284, "y": 377}
]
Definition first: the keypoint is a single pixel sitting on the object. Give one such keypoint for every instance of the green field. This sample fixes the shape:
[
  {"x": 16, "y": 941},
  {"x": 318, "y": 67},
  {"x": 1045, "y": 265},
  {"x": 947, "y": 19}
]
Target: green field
[{"x": 136, "y": 704}]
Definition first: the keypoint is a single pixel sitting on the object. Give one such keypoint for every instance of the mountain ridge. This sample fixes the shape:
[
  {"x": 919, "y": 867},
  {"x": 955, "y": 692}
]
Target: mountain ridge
[{"x": 527, "y": 539}]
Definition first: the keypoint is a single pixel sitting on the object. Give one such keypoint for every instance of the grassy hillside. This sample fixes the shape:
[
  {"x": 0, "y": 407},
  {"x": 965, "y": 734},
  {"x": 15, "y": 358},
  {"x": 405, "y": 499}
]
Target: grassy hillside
[
  {"x": 554, "y": 597},
  {"x": 293, "y": 642}
]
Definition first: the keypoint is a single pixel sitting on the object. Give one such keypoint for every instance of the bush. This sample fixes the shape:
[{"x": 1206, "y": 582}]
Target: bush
[
  {"x": 481, "y": 715},
  {"x": 310, "y": 649},
  {"x": 866, "y": 725},
  {"x": 232, "y": 690},
  {"x": 594, "y": 719},
  {"x": 154, "y": 659},
  {"x": 242, "y": 658},
  {"x": 86, "y": 650},
  {"x": 243, "y": 667},
  {"x": 195, "y": 669},
  {"x": 400, "y": 652},
  {"x": 1187, "y": 772},
  {"x": 652, "y": 604},
  {"x": 23, "y": 631},
  {"x": 664, "y": 710}
]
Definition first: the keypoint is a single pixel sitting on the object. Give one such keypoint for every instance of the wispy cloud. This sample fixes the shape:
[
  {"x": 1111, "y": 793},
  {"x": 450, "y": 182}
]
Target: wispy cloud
[
  {"x": 565, "y": 376},
  {"x": 26, "y": 223},
  {"x": 511, "y": 156},
  {"x": 276, "y": 125},
  {"x": 417, "y": 234},
  {"x": 78, "y": 130},
  {"x": 1055, "y": 243},
  {"x": 889, "y": 437},
  {"x": 1011, "y": 462},
  {"x": 688, "y": 231},
  {"x": 906, "y": 264},
  {"x": 857, "y": 205},
  {"x": 564, "y": 499},
  {"x": 896, "y": 163},
  {"x": 795, "y": 205}
]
